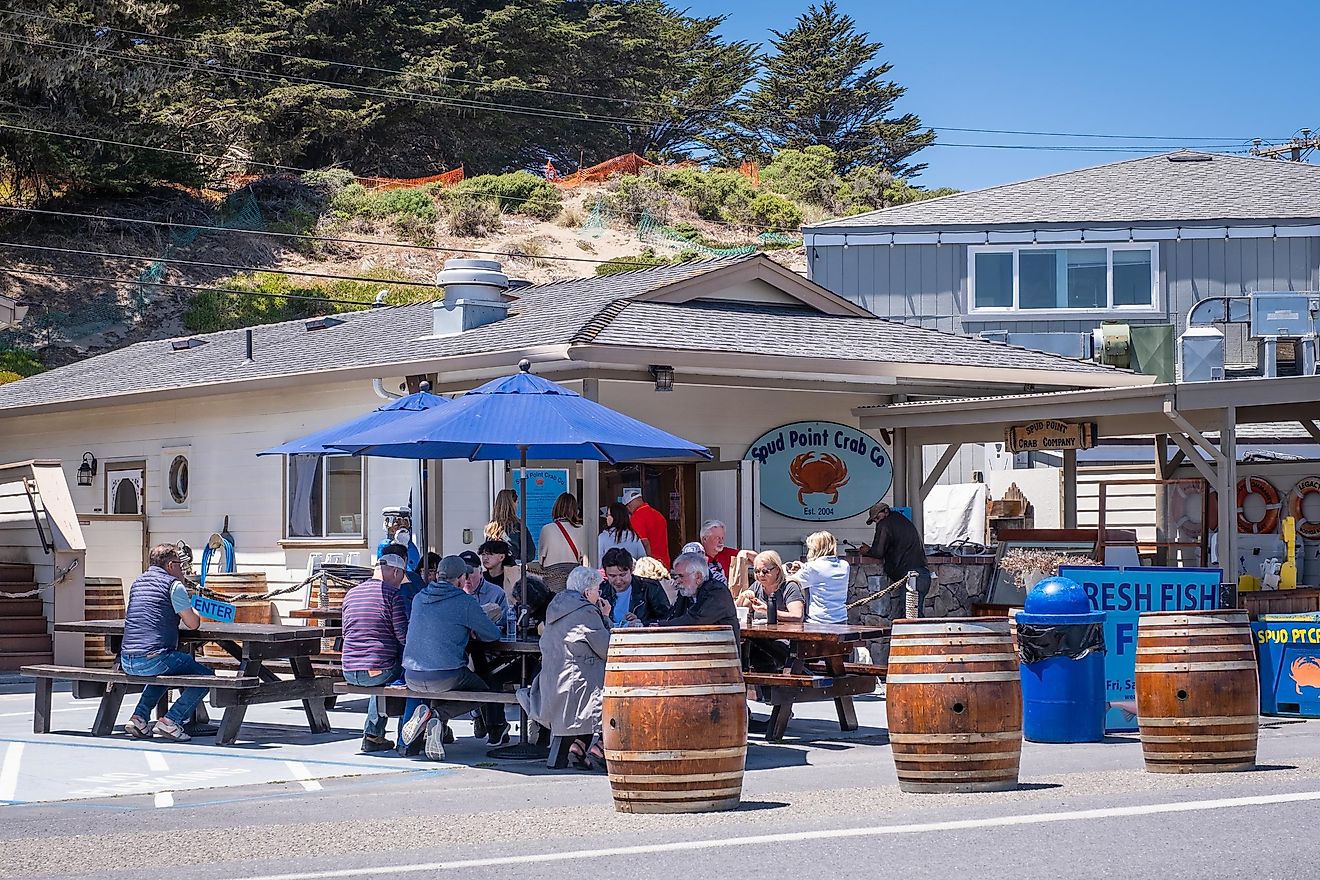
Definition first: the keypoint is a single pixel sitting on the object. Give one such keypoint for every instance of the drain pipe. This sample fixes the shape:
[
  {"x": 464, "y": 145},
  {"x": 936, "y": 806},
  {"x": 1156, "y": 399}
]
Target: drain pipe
[{"x": 378, "y": 386}]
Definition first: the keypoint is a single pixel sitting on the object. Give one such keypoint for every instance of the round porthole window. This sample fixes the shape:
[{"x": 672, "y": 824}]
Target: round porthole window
[{"x": 179, "y": 479}]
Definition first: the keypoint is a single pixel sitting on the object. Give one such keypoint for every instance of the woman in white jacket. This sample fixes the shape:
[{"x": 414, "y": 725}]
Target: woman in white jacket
[{"x": 825, "y": 576}]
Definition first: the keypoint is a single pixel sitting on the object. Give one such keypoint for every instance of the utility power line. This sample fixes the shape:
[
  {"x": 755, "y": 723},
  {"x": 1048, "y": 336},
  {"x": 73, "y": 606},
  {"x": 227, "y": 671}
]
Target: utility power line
[{"x": 43, "y": 273}]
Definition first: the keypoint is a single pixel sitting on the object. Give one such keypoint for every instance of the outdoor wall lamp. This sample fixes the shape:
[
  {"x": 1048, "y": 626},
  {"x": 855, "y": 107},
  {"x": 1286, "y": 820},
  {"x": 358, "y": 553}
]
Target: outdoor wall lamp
[
  {"x": 87, "y": 469},
  {"x": 663, "y": 376}
]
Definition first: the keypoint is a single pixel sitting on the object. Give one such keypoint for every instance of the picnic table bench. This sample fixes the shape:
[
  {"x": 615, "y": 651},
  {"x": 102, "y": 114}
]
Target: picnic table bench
[
  {"x": 816, "y": 670},
  {"x": 253, "y": 645}
]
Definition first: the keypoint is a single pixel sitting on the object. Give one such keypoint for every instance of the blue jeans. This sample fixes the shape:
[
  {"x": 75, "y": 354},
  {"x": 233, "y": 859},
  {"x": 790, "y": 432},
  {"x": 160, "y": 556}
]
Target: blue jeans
[
  {"x": 166, "y": 663},
  {"x": 376, "y": 719}
]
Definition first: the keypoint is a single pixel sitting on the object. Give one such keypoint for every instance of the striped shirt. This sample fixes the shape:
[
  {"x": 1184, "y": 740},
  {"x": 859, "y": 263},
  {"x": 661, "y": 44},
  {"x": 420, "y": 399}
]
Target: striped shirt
[{"x": 375, "y": 627}]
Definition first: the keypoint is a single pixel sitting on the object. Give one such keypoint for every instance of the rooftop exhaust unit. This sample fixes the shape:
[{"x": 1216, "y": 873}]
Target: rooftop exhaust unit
[{"x": 474, "y": 296}]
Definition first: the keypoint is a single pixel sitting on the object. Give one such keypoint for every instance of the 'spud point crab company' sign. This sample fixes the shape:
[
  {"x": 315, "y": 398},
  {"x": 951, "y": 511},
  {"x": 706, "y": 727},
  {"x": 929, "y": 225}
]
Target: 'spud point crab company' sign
[
  {"x": 820, "y": 471},
  {"x": 1049, "y": 434}
]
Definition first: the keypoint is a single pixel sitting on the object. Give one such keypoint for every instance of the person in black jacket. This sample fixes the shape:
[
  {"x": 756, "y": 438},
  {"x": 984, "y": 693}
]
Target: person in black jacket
[
  {"x": 899, "y": 547},
  {"x": 709, "y": 601},
  {"x": 644, "y": 602}
]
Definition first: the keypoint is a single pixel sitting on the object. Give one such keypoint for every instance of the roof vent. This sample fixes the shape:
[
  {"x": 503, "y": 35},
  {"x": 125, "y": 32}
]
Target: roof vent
[
  {"x": 185, "y": 344},
  {"x": 519, "y": 283},
  {"x": 323, "y": 322},
  {"x": 474, "y": 296},
  {"x": 1191, "y": 157}
]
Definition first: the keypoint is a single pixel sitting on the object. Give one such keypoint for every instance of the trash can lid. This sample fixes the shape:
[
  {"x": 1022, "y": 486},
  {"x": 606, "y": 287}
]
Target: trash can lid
[{"x": 1057, "y": 595}]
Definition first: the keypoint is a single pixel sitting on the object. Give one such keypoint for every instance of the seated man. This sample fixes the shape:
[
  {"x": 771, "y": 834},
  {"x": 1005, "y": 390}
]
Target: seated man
[
  {"x": 709, "y": 601},
  {"x": 492, "y": 599},
  {"x": 158, "y": 603},
  {"x": 718, "y": 556},
  {"x": 444, "y": 619},
  {"x": 375, "y": 629},
  {"x": 495, "y": 602},
  {"x": 634, "y": 600}
]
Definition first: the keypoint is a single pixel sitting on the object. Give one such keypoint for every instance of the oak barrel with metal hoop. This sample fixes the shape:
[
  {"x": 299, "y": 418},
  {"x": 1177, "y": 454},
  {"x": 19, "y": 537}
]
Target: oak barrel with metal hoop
[
  {"x": 1198, "y": 695},
  {"x": 954, "y": 703},
  {"x": 675, "y": 719},
  {"x": 249, "y": 610},
  {"x": 103, "y": 600}
]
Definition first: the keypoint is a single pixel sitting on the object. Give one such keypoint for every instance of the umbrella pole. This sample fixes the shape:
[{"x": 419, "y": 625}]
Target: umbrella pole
[{"x": 522, "y": 525}]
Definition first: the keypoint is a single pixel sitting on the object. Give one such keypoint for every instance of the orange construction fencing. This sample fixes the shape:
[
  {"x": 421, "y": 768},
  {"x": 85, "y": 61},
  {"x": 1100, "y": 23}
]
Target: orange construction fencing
[{"x": 447, "y": 178}]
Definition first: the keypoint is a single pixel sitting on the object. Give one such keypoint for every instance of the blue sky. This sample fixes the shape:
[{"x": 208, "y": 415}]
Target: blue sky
[{"x": 1174, "y": 69}]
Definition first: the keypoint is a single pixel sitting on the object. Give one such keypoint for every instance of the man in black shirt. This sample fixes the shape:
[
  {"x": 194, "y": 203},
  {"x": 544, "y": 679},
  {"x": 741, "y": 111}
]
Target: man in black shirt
[
  {"x": 709, "y": 602},
  {"x": 899, "y": 547}
]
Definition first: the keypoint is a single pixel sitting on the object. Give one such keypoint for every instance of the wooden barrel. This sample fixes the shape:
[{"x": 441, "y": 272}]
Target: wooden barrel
[
  {"x": 104, "y": 600},
  {"x": 249, "y": 610},
  {"x": 675, "y": 719},
  {"x": 1198, "y": 695},
  {"x": 954, "y": 703}
]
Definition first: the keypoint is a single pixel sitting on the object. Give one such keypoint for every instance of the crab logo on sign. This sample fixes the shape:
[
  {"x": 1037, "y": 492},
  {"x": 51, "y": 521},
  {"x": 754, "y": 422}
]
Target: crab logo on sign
[{"x": 820, "y": 471}]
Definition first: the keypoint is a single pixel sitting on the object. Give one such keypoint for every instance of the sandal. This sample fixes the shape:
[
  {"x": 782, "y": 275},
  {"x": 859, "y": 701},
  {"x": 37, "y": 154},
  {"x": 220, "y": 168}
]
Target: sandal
[
  {"x": 596, "y": 757},
  {"x": 577, "y": 755}
]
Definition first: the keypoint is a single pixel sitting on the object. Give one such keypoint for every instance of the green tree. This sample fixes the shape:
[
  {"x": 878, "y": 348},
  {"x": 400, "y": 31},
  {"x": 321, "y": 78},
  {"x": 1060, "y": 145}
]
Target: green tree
[{"x": 822, "y": 86}]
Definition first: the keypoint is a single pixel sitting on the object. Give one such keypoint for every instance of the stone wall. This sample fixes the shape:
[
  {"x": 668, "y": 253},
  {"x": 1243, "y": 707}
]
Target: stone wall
[{"x": 960, "y": 582}]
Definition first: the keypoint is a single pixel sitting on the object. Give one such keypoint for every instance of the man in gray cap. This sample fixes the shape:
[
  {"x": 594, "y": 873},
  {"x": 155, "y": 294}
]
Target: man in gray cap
[
  {"x": 444, "y": 618},
  {"x": 899, "y": 547}
]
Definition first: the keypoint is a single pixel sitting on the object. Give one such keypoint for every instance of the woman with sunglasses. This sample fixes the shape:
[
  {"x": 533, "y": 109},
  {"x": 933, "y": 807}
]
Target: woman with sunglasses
[{"x": 771, "y": 585}]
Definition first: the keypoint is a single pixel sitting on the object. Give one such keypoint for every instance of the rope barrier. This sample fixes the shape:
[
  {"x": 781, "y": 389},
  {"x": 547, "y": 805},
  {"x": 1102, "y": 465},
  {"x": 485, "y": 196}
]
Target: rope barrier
[
  {"x": 28, "y": 595},
  {"x": 271, "y": 594}
]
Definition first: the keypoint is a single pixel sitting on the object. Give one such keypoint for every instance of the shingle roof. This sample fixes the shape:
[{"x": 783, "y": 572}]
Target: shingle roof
[
  {"x": 597, "y": 310},
  {"x": 1185, "y": 185}
]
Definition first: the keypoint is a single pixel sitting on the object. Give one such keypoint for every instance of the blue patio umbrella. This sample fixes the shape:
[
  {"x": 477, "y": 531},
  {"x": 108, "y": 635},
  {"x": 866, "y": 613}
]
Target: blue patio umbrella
[
  {"x": 324, "y": 442},
  {"x": 519, "y": 417}
]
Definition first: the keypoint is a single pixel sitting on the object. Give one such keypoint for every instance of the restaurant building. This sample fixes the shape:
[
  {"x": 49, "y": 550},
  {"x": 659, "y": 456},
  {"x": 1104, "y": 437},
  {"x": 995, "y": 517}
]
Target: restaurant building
[{"x": 760, "y": 365}]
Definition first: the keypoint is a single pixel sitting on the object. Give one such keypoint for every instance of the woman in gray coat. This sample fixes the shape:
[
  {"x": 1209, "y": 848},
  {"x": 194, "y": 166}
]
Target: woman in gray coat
[{"x": 565, "y": 696}]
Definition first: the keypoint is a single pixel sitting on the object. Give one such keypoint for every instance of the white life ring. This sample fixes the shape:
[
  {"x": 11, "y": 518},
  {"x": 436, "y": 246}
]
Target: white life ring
[{"x": 1186, "y": 509}]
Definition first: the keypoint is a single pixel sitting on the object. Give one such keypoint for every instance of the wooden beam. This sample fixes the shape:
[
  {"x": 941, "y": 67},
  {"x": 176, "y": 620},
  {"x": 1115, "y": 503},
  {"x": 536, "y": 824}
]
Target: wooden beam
[
  {"x": 1202, "y": 466},
  {"x": 1309, "y": 426},
  {"x": 950, "y": 452},
  {"x": 1194, "y": 435},
  {"x": 1070, "y": 488}
]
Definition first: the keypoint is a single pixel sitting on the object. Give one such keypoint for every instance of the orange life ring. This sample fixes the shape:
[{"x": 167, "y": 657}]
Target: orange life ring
[
  {"x": 1187, "y": 509},
  {"x": 1268, "y": 523},
  {"x": 1306, "y": 528}
]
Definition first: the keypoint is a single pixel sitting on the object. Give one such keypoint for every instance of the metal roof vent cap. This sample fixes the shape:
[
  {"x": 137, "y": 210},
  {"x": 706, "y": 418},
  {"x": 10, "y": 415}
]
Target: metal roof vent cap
[
  {"x": 472, "y": 279},
  {"x": 474, "y": 296}
]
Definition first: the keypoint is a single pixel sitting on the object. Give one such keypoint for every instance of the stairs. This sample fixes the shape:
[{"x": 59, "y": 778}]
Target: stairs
[{"x": 24, "y": 639}]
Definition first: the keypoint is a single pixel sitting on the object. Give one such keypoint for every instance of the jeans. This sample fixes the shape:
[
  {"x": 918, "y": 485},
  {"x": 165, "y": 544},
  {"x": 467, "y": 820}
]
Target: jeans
[
  {"x": 923, "y": 588},
  {"x": 166, "y": 663},
  {"x": 376, "y": 719},
  {"x": 439, "y": 683}
]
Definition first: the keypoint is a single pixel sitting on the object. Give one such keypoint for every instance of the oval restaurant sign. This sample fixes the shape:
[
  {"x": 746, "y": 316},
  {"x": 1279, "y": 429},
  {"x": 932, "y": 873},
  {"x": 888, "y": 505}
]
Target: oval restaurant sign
[{"x": 820, "y": 470}]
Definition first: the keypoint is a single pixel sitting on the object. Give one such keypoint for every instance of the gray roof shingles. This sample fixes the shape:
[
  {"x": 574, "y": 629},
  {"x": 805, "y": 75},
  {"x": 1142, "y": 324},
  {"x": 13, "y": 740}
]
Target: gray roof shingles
[
  {"x": 596, "y": 309},
  {"x": 1151, "y": 189}
]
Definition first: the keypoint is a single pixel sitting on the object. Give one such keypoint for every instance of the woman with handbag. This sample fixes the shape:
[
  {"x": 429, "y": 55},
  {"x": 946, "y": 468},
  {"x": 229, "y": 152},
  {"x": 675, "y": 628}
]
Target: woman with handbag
[{"x": 563, "y": 539}]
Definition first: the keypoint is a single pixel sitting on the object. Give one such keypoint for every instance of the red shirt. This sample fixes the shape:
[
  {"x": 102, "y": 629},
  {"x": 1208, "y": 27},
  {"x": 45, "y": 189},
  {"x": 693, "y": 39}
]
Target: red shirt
[
  {"x": 652, "y": 527},
  {"x": 723, "y": 558}
]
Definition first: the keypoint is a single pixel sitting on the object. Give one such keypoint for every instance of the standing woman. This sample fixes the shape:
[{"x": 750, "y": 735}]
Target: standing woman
[
  {"x": 505, "y": 526},
  {"x": 825, "y": 576},
  {"x": 619, "y": 533},
  {"x": 563, "y": 538}
]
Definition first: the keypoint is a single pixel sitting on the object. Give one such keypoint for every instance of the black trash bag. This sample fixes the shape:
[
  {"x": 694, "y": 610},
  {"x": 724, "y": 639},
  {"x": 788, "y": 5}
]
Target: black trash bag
[{"x": 1041, "y": 641}]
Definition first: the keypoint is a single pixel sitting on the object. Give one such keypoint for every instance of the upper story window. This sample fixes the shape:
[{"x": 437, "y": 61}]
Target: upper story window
[
  {"x": 1062, "y": 278},
  {"x": 324, "y": 495}
]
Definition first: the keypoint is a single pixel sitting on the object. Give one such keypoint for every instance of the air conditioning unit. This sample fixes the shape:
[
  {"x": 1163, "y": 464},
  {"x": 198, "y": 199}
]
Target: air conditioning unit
[{"x": 1201, "y": 354}]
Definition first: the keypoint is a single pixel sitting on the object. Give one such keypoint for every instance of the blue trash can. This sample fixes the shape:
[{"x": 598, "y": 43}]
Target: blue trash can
[{"x": 1062, "y": 652}]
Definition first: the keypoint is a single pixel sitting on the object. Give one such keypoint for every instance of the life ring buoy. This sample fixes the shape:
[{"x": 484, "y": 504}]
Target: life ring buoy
[
  {"x": 1305, "y": 527},
  {"x": 1270, "y": 521},
  {"x": 1188, "y": 511}
]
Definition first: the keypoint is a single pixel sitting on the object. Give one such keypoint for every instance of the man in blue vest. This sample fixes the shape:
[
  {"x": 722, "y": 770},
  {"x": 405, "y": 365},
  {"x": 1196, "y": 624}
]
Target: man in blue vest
[{"x": 158, "y": 603}]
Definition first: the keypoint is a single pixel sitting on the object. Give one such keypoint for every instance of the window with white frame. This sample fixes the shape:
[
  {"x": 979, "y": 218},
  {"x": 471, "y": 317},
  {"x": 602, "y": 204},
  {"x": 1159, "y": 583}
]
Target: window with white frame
[
  {"x": 324, "y": 495},
  {"x": 1062, "y": 278}
]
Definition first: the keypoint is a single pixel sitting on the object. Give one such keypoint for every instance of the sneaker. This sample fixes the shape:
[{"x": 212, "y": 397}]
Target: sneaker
[
  {"x": 138, "y": 728},
  {"x": 478, "y": 725},
  {"x": 498, "y": 735},
  {"x": 435, "y": 739},
  {"x": 375, "y": 744},
  {"x": 414, "y": 726},
  {"x": 168, "y": 729},
  {"x": 449, "y": 735}
]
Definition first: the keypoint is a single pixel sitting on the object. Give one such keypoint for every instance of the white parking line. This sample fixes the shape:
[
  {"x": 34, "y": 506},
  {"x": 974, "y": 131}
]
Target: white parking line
[
  {"x": 303, "y": 775},
  {"x": 9, "y": 771},
  {"x": 164, "y": 799},
  {"x": 156, "y": 761},
  {"x": 29, "y": 714},
  {"x": 770, "y": 840}
]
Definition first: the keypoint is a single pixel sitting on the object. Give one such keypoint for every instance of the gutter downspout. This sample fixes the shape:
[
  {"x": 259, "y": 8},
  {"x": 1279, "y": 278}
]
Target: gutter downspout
[{"x": 378, "y": 386}]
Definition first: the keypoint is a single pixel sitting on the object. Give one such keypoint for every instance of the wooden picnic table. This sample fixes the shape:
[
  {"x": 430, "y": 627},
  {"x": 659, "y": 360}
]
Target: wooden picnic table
[
  {"x": 254, "y": 646},
  {"x": 821, "y": 644}
]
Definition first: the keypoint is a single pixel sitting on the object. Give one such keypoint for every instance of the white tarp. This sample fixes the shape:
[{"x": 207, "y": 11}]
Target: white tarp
[{"x": 955, "y": 512}]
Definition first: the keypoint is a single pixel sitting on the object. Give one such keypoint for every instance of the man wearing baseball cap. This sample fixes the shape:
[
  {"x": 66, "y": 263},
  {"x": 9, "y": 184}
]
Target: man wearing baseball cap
[
  {"x": 444, "y": 619},
  {"x": 899, "y": 547},
  {"x": 649, "y": 524},
  {"x": 375, "y": 629}
]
